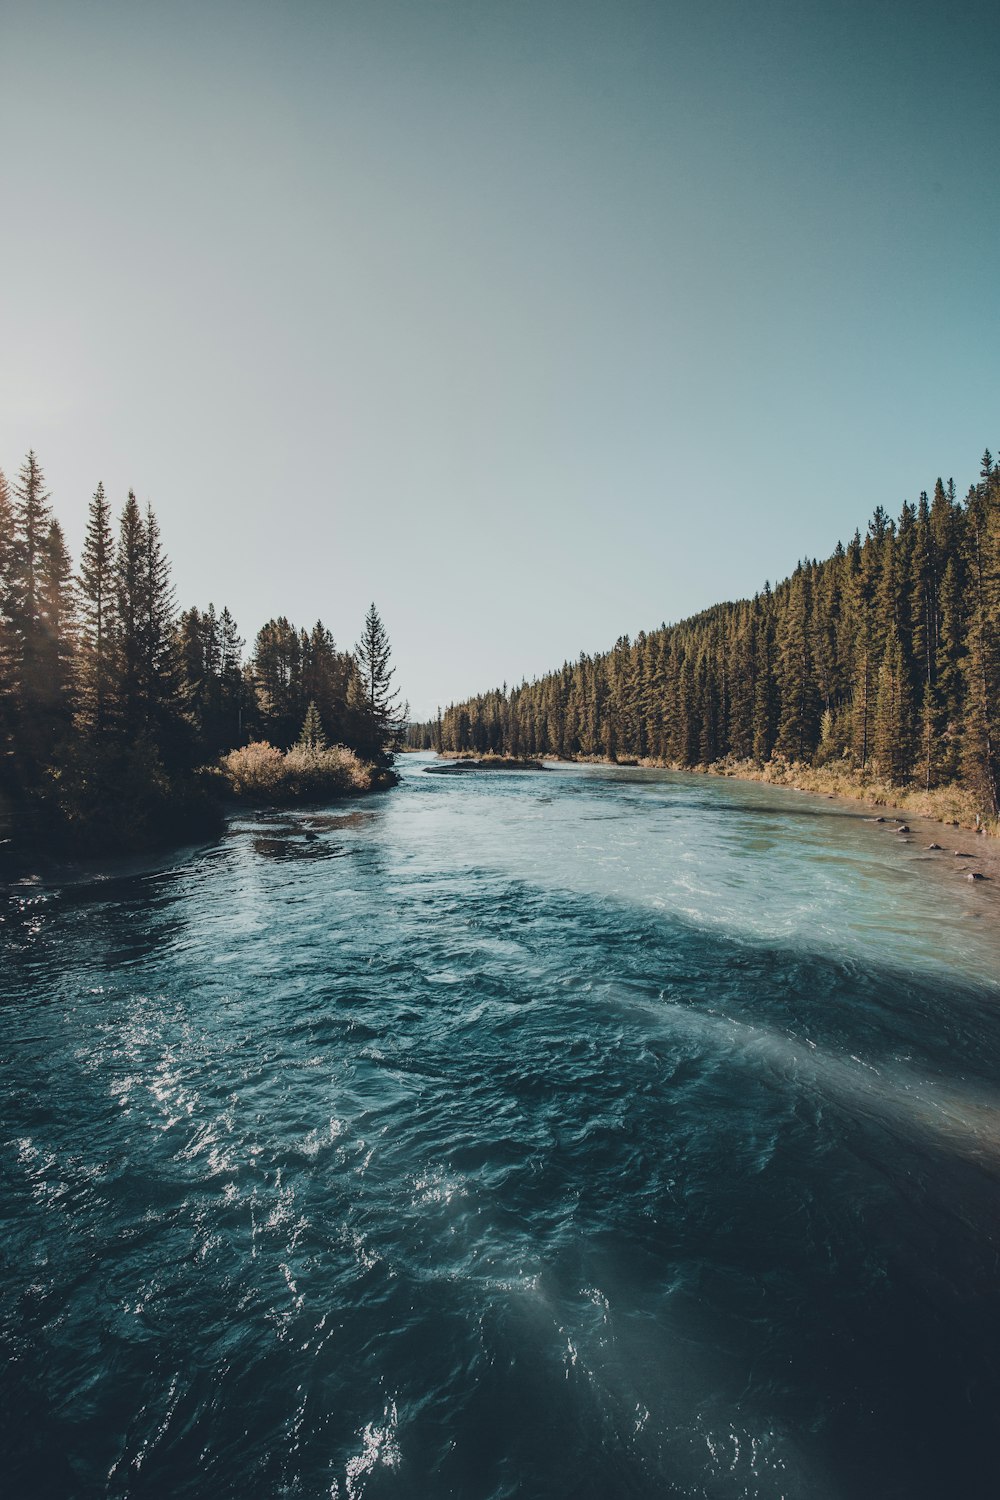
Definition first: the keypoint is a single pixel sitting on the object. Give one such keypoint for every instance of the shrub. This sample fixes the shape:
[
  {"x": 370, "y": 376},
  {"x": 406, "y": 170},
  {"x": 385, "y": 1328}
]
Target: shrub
[
  {"x": 304, "y": 774},
  {"x": 315, "y": 773},
  {"x": 255, "y": 770}
]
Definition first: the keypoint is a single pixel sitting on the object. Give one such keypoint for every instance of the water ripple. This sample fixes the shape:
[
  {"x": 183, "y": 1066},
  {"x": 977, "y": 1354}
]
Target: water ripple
[{"x": 639, "y": 1143}]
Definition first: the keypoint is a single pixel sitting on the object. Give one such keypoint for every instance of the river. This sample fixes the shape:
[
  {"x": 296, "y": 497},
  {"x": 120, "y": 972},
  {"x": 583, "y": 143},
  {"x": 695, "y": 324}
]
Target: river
[{"x": 589, "y": 1132}]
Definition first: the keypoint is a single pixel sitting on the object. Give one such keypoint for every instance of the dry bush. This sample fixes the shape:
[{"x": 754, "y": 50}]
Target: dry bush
[
  {"x": 322, "y": 773},
  {"x": 254, "y": 770},
  {"x": 261, "y": 772}
]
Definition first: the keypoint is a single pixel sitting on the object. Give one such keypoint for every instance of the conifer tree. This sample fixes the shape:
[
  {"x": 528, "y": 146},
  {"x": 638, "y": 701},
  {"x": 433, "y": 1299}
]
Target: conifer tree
[
  {"x": 98, "y": 664},
  {"x": 798, "y": 699},
  {"x": 981, "y": 730},
  {"x": 7, "y": 637},
  {"x": 234, "y": 694},
  {"x": 30, "y": 539},
  {"x": 929, "y": 757},
  {"x": 893, "y": 713},
  {"x": 764, "y": 706},
  {"x": 276, "y": 672},
  {"x": 950, "y": 656},
  {"x": 58, "y": 621},
  {"x": 373, "y": 654},
  {"x": 924, "y": 614},
  {"x": 130, "y": 570},
  {"x": 160, "y": 665},
  {"x": 311, "y": 736}
]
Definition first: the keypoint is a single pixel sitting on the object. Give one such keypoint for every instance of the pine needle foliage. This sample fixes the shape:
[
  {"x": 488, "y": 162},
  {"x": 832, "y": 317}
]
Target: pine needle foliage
[
  {"x": 111, "y": 700},
  {"x": 884, "y": 660}
]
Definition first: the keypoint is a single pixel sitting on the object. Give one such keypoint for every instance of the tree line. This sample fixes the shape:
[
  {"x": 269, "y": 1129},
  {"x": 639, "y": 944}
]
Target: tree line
[
  {"x": 111, "y": 698},
  {"x": 884, "y": 658}
]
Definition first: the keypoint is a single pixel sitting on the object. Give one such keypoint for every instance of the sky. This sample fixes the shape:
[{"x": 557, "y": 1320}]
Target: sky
[{"x": 535, "y": 323}]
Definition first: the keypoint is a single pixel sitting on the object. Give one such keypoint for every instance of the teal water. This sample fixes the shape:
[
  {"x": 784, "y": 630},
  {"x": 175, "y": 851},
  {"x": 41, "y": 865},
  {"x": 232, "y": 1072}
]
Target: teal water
[{"x": 581, "y": 1133}]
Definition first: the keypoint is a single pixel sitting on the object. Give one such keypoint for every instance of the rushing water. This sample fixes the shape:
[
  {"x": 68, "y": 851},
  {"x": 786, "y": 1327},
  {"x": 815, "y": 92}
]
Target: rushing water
[{"x": 582, "y": 1133}]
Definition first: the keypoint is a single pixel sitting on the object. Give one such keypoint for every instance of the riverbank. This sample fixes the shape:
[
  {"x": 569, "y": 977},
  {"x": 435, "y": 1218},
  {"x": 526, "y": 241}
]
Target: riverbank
[
  {"x": 952, "y": 806},
  {"x": 153, "y": 815},
  {"x": 943, "y": 820},
  {"x": 946, "y": 804}
]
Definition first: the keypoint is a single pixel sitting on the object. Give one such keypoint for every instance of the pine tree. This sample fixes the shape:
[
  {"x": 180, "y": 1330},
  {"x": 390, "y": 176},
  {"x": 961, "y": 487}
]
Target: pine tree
[
  {"x": 98, "y": 663},
  {"x": 861, "y": 590},
  {"x": 893, "y": 714},
  {"x": 234, "y": 694},
  {"x": 981, "y": 730},
  {"x": 929, "y": 752},
  {"x": 31, "y": 522},
  {"x": 130, "y": 572},
  {"x": 276, "y": 673},
  {"x": 8, "y": 651},
  {"x": 764, "y": 706},
  {"x": 373, "y": 654},
  {"x": 160, "y": 665},
  {"x": 311, "y": 736},
  {"x": 798, "y": 718},
  {"x": 58, "y": 614},
  {"x": 951, "y": 654}
]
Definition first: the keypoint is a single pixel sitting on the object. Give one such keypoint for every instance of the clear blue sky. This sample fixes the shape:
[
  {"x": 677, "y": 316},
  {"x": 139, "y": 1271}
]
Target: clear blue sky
[{"x": 535, "y": 322}]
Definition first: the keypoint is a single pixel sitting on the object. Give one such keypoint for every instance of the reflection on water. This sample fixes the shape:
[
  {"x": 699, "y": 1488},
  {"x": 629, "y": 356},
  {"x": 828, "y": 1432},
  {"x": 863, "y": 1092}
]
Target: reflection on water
[{"x": 634, "y": 1137}]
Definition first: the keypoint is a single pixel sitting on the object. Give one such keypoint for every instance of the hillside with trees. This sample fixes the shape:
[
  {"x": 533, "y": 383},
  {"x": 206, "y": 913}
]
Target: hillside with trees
[
  {"x": 118, "y": 713},
  {"x": 880, "y": 663}
]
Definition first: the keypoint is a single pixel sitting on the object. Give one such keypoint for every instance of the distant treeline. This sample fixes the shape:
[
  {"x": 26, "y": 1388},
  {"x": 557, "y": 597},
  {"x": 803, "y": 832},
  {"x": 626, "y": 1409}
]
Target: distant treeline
[
  {"x": 110, "y": 699},
  {"x": 884, "y": 658}
]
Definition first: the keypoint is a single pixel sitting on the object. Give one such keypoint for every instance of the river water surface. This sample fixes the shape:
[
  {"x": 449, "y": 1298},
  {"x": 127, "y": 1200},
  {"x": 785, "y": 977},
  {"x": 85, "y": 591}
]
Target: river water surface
[{"x": 582, "y": 1133}]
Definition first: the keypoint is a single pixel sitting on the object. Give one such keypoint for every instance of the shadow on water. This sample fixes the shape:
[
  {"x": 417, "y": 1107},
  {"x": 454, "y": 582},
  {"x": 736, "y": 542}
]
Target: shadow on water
[{"x": 486, "y": 1189}]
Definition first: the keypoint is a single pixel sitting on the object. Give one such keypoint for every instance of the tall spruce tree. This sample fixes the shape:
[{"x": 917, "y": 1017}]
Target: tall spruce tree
[
  {"x": 981, "y": 729},
  {"x": 373, "y": 654},
  {"x": 98, "y": 663},
  {"x": 30, "y": 538},
  {"x": 58, "y": 614},
  {"x": 7, "y": 635},
  {"x": 130, "y": 572},
  {"x": 160, "y": 665},
  {"x": 798, "y": 718}
]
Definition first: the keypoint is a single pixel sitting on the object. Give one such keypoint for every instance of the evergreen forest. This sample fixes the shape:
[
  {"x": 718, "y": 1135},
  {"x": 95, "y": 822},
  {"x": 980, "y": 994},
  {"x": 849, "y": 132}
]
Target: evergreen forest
[
  {"x": 123, "y": 719},
  {"x": 882, "y": 661}
]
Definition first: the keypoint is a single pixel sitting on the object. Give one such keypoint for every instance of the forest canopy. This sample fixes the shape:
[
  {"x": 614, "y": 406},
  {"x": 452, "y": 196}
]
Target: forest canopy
[
  {"x": 883, "y": 659},
  {"x": 113, "y": 703}
]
